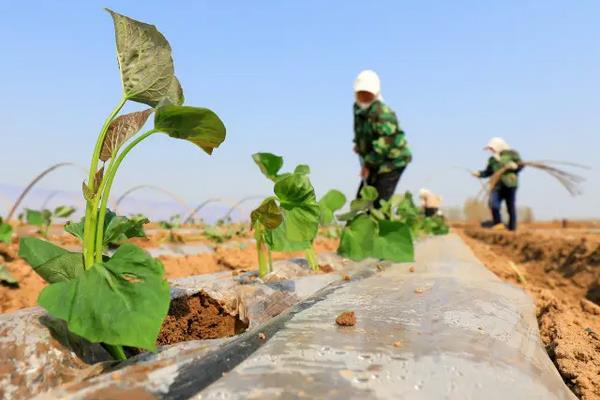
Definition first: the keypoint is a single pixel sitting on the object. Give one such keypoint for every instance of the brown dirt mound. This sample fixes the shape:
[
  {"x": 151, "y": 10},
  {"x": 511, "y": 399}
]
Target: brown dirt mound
[
  {"x": 197, "y": 317},
  {"x": 558, "y": 272}
]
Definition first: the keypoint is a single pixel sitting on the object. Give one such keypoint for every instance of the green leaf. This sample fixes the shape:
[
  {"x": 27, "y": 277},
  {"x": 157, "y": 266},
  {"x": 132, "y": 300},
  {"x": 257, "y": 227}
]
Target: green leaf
[
  {"x": 122, "y": 301},
  {"x": 393, "y": 242},
  {"x": 63, "y": 211},
  {"x": 37, "y": 218},
  {"x": 268, "y": 214},
  {"x": 144, "y": 56},
  {"x": 387, "y": 240},
  {"x": 300, "y": 211},
  {"x": 302, "y": 169},
  {"x": 52, "y": 263},
  {"x": 116, "y": 228},
  {"x": 6, "y": 231},
  {"x": 75, "y": 228},
  {"x": 357, "y": 241},
  {"x": 369, "y": 193},
  {"x": 122, "y": 129},
  {"x": 200, "y": 126},
  {"x": 269, "y": 164},
  {"x": 6, "y": 277},
  {"x": 332, "y": 201}
]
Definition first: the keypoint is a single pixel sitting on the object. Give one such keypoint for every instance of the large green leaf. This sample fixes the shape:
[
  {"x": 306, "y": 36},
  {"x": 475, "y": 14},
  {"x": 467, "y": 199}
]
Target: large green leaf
[
  {"x": 122, "y": 301},
  {"x": 200, "y": 126},
  {"x": 332, "y": 201},
  {"x": 386, "y": 240},
  {"x": 268, "y": 214},
  {"x": 300, "y": 214},
  {"x": 269, "y": 164},
  {"x": 393, "y": 242},
  {"x": 52, "y": 263},
  {"x": 6, "y": 231},
  {"x": 144, "y": 55},
  {"x": 122, "y": 129},
  {"x": 358, "y": 238}
]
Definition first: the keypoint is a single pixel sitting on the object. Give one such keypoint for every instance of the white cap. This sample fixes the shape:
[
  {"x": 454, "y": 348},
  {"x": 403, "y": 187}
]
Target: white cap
[
  {"x": 367, "y": 81},
  {"x": 423, "y": 193},
  {"x": 497, "y": 145}
]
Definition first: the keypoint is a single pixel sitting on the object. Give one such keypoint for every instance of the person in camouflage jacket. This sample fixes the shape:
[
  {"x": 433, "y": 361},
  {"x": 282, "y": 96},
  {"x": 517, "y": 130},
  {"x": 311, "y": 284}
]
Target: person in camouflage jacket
[
  {"x": 506, "y": 188},
  {"x": 378, "y": 138}
]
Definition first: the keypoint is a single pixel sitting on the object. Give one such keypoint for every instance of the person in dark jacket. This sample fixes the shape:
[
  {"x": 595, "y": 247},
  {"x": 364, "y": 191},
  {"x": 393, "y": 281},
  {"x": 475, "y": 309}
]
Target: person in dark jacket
[
  {"x": 503, "y": 157},
  {"x": 378, "y": 138}
]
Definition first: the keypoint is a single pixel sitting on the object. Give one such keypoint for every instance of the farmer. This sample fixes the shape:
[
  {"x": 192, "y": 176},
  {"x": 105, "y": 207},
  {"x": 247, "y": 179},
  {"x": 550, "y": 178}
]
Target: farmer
[
  {"x": 430, "y": 202},
  {"x": 503, "y": 157},
  {"x": 378, "y": 139}
]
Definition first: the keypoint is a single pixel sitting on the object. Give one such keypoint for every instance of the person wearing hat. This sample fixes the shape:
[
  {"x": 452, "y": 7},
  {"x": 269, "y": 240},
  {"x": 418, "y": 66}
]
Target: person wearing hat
[
  {"x": 378, "y": 139},
  {"x": 503, "y": 157},
  {"x": 430, "y": 202}
]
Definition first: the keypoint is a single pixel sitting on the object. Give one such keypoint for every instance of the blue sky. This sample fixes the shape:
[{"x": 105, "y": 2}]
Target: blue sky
[{"x": 280, "y": 76}]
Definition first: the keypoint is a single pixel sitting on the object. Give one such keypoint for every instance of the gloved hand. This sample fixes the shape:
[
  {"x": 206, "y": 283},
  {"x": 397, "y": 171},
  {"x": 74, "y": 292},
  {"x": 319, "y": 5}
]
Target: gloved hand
[
  {"x": 364, "y": 172},
  {"x": 476, "y": 174},
  {"x": 512, "y": 165}
]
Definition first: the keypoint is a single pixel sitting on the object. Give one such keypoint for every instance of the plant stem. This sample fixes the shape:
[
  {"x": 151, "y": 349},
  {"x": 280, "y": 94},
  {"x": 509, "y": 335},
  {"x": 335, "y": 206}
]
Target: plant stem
[
  {"x": 106, "y": 187},
  {"x": 116, "y": 351},
  {"x": 261, "y": 248},
  {"x": 311, "y": 257},
  {"x": 91, "y": 210}
]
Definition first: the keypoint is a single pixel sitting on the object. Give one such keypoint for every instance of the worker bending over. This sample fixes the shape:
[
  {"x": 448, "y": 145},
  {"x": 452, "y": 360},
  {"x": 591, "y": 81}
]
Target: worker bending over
[{"x": 430, "y": 202}]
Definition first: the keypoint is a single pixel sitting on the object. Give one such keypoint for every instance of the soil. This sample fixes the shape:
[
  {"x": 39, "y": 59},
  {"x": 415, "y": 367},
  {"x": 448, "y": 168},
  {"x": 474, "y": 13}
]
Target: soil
[
  {"x": 347, "y": 318},
  {"x": 560, "y": 269},
  {"x": 225, "y": 258},
  {"x": 197, "y": 317}
]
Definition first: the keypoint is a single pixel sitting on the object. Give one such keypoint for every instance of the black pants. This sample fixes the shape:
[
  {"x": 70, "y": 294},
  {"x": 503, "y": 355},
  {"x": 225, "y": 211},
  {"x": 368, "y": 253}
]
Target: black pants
[
  {"x": 509, "y": 195},
  {"x": 384, "y": 183},
  {"x": 431, "y": 211}
]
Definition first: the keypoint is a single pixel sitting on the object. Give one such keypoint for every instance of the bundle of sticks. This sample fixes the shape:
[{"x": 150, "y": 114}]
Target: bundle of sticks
[{"x": 568, "y": 180}]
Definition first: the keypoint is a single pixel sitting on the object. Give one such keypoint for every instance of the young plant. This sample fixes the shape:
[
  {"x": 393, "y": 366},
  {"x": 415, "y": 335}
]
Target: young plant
[
  {"x": 6, "y": 231},
  {"x": 288, "y": 221},
  {"x": 121, "y": 300},
  {"x": 372, "y": 234},
  {"x": 174, "y": 222},
  {"x": 331, "y": 202},
  {"x": 44, "y": 218}
]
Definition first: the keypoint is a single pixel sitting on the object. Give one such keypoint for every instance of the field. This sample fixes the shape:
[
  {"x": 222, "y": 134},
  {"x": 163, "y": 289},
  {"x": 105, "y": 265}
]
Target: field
[
  {"x": 560, "y": 269},
  {"x": 237, "y": 254}
]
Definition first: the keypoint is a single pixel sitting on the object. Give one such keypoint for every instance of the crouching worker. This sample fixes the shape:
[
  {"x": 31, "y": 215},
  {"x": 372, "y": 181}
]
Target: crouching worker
[
  {"x": 430, "y": 202},
  {"x": 378, "y": 139},
  {"x": 503, "y": 157}
]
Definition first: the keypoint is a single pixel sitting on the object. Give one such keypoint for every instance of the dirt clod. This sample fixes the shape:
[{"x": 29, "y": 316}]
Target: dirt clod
[
  {"x": 347, "y": 318},
  {"x": 197, "y": 317},
  {"x": 411, "y": 268},
  {"x": 326, "y": 268},
  {"x": 398, "y": 344}
]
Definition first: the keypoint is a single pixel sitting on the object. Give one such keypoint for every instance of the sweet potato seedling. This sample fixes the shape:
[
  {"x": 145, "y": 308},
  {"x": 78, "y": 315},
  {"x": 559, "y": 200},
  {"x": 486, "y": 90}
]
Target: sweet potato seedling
[
  {"x": 288, "y": 221},
  {"x": 6, "y": 231},
  {"x": 44, "y": 218},
  {"x": 121, "y": 300},
  {"x": 370, "y": 233}
]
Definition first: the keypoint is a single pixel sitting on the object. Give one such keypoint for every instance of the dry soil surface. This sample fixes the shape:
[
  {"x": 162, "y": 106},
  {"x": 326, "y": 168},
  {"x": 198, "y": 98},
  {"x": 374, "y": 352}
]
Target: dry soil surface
[{"x": 561, "y": 271}]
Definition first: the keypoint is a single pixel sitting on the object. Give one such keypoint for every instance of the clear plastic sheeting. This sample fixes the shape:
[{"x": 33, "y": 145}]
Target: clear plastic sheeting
[{"x": 448, "y": 330}]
